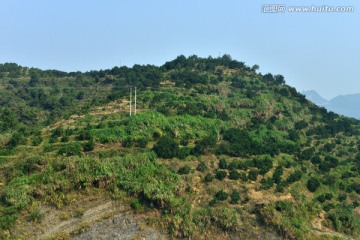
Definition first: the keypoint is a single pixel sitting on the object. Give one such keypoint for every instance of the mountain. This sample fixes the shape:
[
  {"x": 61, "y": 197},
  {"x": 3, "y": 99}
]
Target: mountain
[
  {"x": 214, "y": 150},
  {"x": 347, "y": 105},
  {"x": 315, "y": 97}
]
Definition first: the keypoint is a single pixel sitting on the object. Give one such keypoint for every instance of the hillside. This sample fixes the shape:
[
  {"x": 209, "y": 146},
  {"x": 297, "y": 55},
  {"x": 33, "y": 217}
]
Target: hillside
[{"x": 215, "y": 149}]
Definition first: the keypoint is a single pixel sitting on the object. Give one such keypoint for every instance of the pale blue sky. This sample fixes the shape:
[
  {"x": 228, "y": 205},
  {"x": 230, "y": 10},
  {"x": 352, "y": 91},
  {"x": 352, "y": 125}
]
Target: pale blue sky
[{"x": 312, "y": 50}]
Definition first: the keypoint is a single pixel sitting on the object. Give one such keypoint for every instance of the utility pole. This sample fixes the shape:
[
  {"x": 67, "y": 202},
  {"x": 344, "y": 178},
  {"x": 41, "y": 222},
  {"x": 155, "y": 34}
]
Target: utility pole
[
  {"x": 135, "y": 101},
  {"x": 130, "y": 99}
]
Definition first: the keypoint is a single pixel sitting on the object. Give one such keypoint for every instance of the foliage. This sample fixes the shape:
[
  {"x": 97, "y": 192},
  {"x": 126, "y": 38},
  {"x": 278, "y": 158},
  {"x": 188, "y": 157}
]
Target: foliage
[
  {"x": 166, "y": 148},
  {"x": 184, "y": 170},
  {"x": 313, "y": 184},
  {"x": 208, "y": 177},
  {"x": 221, "y": 195},
  {"x": 201, "y": 167},
  {"x": 235, "y": 196},
  {"x": 70, "y": 149},
  {"x": 220, "y": 174}
]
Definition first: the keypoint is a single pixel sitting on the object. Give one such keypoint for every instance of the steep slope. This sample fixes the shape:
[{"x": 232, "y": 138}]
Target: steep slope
[{"x": 215, "y": 149}]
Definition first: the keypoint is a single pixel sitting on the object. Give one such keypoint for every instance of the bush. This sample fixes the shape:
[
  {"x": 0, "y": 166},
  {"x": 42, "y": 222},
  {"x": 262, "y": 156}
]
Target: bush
[
  {"x": 313, "y": 184},
  {"x": 267, "y": 183},
  {"x": 223, "y": 164},
  {"x": 166, "y": 148},
  {"x": 277, "y": 174},
  {"x": 184, "y": 170},
  {"x": 208, "y": 177},
  {"x": 220, "y": 174},
  {"x": 333, "y": 161},
  {"x": 201, "y": 167},
  {"x": 88, "y": 146},
  {"x": 84, "y": 135},
  {"x": 282, "y": 205},
  {"x": 79, "y": 212},
  {"x": 325, "y": 196},
  {"x": 316, "y": 159},
  {"x": 36, "y": 215},
  {"x": 142, "y": 143},
  {"x": 36, "y": 141},
  {"x": 221, "y": 195},
  {"x": 294, "y": 177},
  {"x": 342, "y": 197},
  {"x": 31, "y": 164},
  {"x": 235, "y": 196},
  {"x": 253, "y": 175},
  {"x": 263, "y": 164},
  {"x": 184, "y": 152},
  {"x": 234, "y": 175},
  {"x": 135, "y": 204},
  {"x": 342, "y": 219},
  {"x": 16, "y": 139},
  {"x": 70, "y": 149}
]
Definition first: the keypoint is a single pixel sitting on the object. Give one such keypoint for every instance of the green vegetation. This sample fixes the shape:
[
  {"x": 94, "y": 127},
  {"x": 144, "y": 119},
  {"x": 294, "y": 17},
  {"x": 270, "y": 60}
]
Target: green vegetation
[{"x": 215, "y": 148}]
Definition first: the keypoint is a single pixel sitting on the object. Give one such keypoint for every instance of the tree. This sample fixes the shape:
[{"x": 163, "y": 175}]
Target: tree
[
  {"x": 223, "y": 164},
  {"x": 277, "y": 174},
  {"x": 221, "y": 195},
  {"x": 255, "y": 68},
  {"x": 313, "y": 184},
  {"x": 88, "y": 146},
  {"x": 201, "y": 167},
  {"x": 166, "y": 147},
  {"x": 34, "y": 79},
  {"x": 221, "y": 174},
  {"x": 184, "y": 170},
  {"x": 263, "y": 164},
  {"x": 208, "y": 177},
  {"x": 235, "y": 196},
  {"x": 279, "y": 79}
]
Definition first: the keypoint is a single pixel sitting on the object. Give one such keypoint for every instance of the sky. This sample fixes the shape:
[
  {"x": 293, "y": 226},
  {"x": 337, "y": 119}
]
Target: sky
[{"x": 315, "y": 50}]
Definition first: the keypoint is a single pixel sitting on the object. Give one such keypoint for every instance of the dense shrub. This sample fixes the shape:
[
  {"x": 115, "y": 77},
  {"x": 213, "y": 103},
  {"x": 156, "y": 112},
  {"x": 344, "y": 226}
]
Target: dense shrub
[
  {"x": 234, "y": 175},
  {"x": 263, "y": 164},
  {"x": 201, "y": 167},
  {"x": 208, "y": 177},
  {"x": 166, "y": 147},
  {"x": 277, "y": 174},
  {"x": 235, "y": 196},
  {"x": 253, "y": 175},
  {"x": 221, "y": 195},
  {"x": 220, "y": 174},
  {"x": 184, "y": 170},
  {"x": 70, "y": 149},
  {"x": 316, "y": 159},
  {"x": 313, "y": 184},
  {"x": 267, "y": 183},
  {"x": 223, "y": 164},
  {"x": 88, "y": 146},
  {"x": 343, "y": 220},
  {"x": 294, "y": 177}
]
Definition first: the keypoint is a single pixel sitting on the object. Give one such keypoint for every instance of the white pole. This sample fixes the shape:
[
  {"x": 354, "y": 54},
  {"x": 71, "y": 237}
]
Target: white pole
[
  {"x": 135, "y": 101},
  {"x": 130, "y": 99}
]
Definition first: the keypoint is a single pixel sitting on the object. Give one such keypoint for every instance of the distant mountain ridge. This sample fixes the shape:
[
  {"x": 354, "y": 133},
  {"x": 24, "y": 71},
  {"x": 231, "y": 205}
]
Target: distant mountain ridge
[{"x": 347, "y": 105}]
